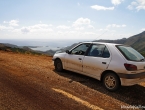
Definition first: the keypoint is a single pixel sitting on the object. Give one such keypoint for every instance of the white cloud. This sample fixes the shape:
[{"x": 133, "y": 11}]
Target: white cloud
[
  {"x": 141, "y": 2},
  {"x": 140, "y": 8},
  {"x": 90, "y": 26},
  {"x": 5, "y": 27},
  {"x": 123, "y": 25},
  {"x": 97, "y": 7},
  {"x": 105, "y": 29},
  {"x": 133, "y": 3},
  {"x": 101, "y": 30},
  {"x": 12, "y": 22},
  {"x": 81, "y": 21},
  {"x": 90, "y": 33},
  {"x": 79, "y": 28},
  {"x": 116, "y": 2},
  {"x": 63, "y": 27},
  {"x": 137, "y": 4},
  {"x": 130, "y": 7},
  {"x": 38, "y": 28},
  {"x": 25, "y": 30},
  {"x": 115, "y": 26},
  {"x": 60, "y": 32},
  {"x": 50, "y": 25},
  {"x": 143, "y": 29}
]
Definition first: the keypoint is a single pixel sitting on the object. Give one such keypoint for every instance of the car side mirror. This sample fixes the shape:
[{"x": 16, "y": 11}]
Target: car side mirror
[{"x": 67, "y": 51}]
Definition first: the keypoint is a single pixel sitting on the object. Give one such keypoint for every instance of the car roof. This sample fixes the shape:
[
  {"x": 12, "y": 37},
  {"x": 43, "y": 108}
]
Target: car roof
[{"x": 102, "y": 43}]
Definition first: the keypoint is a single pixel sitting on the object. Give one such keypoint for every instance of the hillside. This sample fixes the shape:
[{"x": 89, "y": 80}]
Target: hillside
[
  {"x": 118, "y": 41},
  {"x": 136, "y": 41},
  {"x": 17, "y": 49}
]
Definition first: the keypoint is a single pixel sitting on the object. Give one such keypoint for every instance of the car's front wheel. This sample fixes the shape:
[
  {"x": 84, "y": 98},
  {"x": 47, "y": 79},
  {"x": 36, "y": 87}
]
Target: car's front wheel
[
  {"x": 111, "y": 82},
  {"x": 58, "y": 65}
]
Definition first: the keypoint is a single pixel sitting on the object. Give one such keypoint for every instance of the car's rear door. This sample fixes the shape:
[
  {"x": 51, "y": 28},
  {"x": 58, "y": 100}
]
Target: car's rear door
[{"x": 97, "y": 60}]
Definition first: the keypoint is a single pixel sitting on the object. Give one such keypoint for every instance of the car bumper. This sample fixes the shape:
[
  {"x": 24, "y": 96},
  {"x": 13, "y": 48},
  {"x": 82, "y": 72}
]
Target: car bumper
[
  {"x": 131, "y": 79},
  {"x": 129, "y": 82},
  {"x": 132, "y": 76}
]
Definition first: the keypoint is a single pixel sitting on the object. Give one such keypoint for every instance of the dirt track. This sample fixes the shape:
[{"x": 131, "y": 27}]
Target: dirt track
[{"x": 29, "y": 82}]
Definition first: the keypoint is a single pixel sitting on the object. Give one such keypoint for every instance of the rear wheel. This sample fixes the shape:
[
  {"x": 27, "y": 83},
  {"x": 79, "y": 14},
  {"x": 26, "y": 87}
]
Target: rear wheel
[
  {"x": 111, "y": 82},
  {"x": 58, "y": 65}
]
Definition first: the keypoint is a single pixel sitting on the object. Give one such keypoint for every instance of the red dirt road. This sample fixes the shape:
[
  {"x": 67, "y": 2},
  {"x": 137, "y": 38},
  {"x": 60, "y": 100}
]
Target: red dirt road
[{"x": 29, "y": 82}]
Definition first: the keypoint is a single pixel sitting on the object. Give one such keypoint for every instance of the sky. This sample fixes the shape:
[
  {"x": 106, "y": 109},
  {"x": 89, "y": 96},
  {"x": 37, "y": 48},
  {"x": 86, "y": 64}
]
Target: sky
[{"x": 71, "y": 19}]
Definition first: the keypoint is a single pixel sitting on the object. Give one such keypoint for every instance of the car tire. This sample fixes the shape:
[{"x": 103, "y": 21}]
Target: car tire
[
  {"x": 111, "y": 82},
  {"x": 58, "y": 65}
]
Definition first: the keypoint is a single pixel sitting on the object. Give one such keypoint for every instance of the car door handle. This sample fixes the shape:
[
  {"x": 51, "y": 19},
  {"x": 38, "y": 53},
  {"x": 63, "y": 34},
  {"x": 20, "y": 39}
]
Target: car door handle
[
  {"x": 80, "y": 58},
  {"x": 103, "y": 62}
]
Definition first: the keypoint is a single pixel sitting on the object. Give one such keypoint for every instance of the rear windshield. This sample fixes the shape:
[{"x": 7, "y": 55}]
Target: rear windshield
[{"x": 130, "y": 53}]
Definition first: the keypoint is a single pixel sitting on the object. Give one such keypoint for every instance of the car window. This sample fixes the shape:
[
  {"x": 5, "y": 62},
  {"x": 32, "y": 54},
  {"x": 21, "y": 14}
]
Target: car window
[
  {"x": 106, "y": 53},
  {"x": 130, "y": 53},
  {"x": 81, "y": 49},
  {"x": 96, "y": 50}
]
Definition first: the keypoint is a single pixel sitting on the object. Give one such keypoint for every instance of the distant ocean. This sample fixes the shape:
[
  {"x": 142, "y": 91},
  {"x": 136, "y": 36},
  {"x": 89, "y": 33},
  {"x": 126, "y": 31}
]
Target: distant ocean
[{"x": 42, "y": 44}]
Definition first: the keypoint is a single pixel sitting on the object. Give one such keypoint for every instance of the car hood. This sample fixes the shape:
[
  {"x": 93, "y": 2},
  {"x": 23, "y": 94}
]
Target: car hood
[{"x": 60, "y": 51}]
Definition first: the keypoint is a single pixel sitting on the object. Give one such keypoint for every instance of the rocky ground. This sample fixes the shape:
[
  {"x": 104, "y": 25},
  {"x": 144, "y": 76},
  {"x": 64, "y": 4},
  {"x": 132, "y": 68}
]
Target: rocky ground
[{"x": 29, "y": 82}]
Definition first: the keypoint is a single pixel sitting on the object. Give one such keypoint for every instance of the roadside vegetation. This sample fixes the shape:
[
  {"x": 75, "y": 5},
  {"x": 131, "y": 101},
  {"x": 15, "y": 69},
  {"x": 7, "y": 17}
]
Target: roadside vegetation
[
  {"x": 143, "y": 53},
  {"x": 18, "y": 50}
]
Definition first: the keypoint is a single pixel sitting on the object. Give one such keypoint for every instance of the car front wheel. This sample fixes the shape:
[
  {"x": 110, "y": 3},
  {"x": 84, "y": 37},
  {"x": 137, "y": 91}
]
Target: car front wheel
[
  {"x": 111, "y": 82},
  {"x": 58, "y": 65}
]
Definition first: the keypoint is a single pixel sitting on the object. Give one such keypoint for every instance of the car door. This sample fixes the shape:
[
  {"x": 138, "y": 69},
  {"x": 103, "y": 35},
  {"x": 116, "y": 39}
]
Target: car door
[
  {"x": 96, "y": 60},
  {"x": 74, "y": 59}
]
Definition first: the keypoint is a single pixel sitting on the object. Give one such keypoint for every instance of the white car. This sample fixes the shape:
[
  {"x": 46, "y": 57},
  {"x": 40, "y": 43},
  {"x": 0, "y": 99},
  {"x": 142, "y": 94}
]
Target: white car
[{"x": 113, "y": 64}]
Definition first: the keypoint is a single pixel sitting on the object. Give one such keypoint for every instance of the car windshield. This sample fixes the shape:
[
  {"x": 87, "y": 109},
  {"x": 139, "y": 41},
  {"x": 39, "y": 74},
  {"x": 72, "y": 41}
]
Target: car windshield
[{"x": 130, "y": 53}]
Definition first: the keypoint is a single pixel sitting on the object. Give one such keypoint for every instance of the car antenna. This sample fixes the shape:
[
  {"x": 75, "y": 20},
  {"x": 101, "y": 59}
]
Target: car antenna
[{"x": 100, "y": 35}]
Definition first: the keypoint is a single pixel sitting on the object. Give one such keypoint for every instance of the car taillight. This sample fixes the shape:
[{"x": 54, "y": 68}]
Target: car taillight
[{"x": 130, "y": 67}]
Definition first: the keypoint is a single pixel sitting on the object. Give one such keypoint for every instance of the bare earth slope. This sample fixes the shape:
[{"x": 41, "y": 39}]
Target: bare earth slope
[{"x": 29, "y": 82}]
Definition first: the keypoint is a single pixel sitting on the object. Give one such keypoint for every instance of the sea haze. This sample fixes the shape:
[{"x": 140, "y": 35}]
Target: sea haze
[{"x": 42, "y": 44}]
